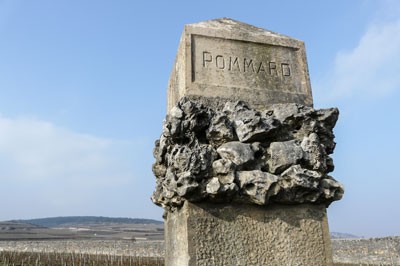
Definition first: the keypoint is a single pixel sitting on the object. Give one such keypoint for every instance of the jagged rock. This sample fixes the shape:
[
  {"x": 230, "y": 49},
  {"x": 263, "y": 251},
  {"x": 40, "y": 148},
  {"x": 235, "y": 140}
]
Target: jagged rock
[
  {"x": 224, "y": 170},
  {"x": 231, "y": 108},
  {"x": 185, "y": 183},
  {"x": 283, "y": 155},
  {"x": 285, "y": 111},
  {"x": 256, "y": 184},
  {"x": 296, "y": 176},
  {"x": 213, "y": 186},
  {"x": 235, "y": 153},
  {"x": 220, "y": 130},
  {"x": 302, "y": 185},
  {"x": 329, "y": 164},
  {"x": 160, "y": 149},
  {"x": 227, "y": 179},
  {"x": 197, "y": 159},
  {"x": 176, "y": 113},
  {"x": 314, "y": 153},
  {"x": 327, "y": 120},
  {"x": 222, "y": 166},
  {"x": 216, "y": 188},
  {"x": 254, "y": 129},
  {"x": 256, "y": 147},
  {"x": 250, "y": 125},
  {"x": 229, "y": 189},
  {"x": 332, "y": 189},
  {"x": 159, "y": 170}
]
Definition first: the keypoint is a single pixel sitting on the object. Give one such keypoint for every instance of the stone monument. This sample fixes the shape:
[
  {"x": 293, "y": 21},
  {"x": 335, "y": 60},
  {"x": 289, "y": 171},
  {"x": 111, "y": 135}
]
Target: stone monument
[{"x": 242, "y": 164}]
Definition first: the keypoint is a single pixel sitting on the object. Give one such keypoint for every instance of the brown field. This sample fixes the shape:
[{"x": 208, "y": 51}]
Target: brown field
[
  {"x": 64, "y": 259},
  {"x": 81, "y": 244},
  {"x": 95, "y": 231},
  {"x": 142, "y": 244}
]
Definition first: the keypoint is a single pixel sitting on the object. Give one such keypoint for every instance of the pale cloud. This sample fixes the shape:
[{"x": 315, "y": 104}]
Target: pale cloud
[
  {"x": 62, "y": 172},
  {"x": 372, "y": 68},
  {"x": 47, "y": 170},
  {"x": 35, "y": 150}
]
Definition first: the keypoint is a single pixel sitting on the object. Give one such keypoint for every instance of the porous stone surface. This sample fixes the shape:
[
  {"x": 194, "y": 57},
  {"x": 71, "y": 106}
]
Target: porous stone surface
[
  {"x": 225, "y": 234},
  {"x": 234, "y": 153}
]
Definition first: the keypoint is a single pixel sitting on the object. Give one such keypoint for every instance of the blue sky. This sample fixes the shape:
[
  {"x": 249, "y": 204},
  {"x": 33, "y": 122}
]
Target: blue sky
[{"x": 83, "y": 96}]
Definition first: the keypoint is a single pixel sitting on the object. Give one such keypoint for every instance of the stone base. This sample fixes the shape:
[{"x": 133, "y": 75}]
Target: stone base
[{"x": 226, "y": 234}]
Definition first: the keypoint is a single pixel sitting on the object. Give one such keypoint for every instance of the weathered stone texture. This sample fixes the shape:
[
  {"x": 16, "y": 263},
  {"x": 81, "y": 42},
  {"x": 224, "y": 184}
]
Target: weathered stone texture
[
  {"x": 241, "y": 145},
  {"x": 232, "y": 60},
  {"x": 234, "y": 153},
  {"x": 250, "y": 235}
]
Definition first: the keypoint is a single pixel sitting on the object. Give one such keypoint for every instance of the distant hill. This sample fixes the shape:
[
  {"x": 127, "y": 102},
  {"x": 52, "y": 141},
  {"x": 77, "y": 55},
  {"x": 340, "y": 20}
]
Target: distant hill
[
  {"x": 337, "y": 235},
  {"x": 82, "y": 220},
  {"x": 67, "y": 221},
  {"x": 13, "y": 225}
]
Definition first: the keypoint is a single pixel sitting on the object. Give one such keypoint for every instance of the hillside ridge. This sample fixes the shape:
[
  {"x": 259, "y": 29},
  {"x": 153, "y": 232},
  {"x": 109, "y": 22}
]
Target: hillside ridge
[{"x": 81, "y": 220}]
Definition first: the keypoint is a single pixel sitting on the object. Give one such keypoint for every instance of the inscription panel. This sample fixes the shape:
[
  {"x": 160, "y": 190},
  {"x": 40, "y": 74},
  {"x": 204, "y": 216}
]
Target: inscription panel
[{"x": 239, "y": 64}]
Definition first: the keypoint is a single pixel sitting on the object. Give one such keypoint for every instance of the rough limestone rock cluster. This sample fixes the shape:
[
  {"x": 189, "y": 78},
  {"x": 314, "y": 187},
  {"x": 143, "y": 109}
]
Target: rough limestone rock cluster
[{"x": 234, "y": 153}]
